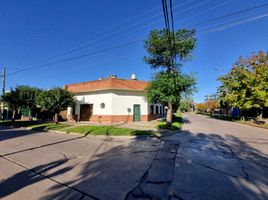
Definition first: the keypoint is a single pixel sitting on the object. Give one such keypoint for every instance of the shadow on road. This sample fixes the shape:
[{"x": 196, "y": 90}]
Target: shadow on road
[
  {"x": 29, "y": 177},
  {"x": 186, "y": 121},
  {"x": 9, "y": 133},
  {"x": 198, "y": 166}
]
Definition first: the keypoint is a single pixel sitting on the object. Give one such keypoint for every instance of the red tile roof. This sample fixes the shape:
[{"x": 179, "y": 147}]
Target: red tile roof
[{"x": 107, "y": 84}]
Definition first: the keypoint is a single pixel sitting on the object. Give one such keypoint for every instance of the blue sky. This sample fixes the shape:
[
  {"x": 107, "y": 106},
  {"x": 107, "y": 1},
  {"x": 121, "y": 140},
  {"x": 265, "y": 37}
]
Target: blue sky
[{"x": 32, "y": 32}]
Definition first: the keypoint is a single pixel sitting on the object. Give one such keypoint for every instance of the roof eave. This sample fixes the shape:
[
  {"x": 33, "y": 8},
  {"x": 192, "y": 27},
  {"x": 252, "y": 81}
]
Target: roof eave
[{"x": 100, "y": 90}]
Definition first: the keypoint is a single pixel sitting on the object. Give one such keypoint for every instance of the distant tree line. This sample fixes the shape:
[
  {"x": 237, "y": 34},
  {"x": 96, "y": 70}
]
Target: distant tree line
[
  {"x": 39, "y": 103},
  {"x": 208, "y": 106},
  {"x": 186, "y": 104},
  {"x": 246, "y": 85}
]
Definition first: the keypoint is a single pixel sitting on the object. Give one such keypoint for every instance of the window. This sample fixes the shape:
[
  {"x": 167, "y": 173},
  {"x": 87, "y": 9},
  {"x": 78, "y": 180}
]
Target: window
[
  {"x": 157, "y": 110},
  {"x": 152, "y": 109}
]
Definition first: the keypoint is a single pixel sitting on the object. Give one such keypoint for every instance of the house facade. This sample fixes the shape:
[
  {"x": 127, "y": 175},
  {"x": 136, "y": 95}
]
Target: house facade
[{"x": 112, "y": 100}]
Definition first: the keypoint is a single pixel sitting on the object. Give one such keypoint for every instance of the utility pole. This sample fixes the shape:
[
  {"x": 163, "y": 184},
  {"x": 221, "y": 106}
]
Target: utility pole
[
  {"x": 3, "y": 92},
  {"x": 3, "y": 80}
]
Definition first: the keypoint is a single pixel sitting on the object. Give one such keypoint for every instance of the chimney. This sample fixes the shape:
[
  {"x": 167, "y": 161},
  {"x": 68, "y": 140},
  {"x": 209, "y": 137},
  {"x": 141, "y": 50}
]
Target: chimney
[
  {"x": 133, "y": 77},
  {"x": 113, "y": 76}
]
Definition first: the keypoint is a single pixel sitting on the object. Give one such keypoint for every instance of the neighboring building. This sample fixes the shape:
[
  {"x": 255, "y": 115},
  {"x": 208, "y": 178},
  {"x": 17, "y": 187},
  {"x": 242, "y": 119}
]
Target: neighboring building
[{"x": 112, "y": 100}]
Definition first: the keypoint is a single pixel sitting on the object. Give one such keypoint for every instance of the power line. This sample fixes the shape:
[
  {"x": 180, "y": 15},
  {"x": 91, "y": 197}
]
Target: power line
[
  {"x": 127, "y": 27},
  {"x": 165, "y": 15},
  {"x": 120, "y": 46},
  {"x": 72, "y": 58},
  {"x": 175, "y": 13},
  {"x": 173, "y": 30},
  {"x": 232, "y": 14},
  {"x": 96, "y": 34},
  {"x": 76, "y": 57},
  {"x": 205, "y": 11},
  {"x": 236, "y": 23},
  {"x": 110, "y": 58},
  {"x": 89, "y": 43},
  {"x": 172, "y": 18},
  {"x": 167, "y": 25}
]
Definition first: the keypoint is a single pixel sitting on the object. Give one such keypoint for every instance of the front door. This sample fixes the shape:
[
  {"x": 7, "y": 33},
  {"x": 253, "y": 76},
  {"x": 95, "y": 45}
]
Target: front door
[
  {"x": 85, "y": 112},
  {"x": 137, "y": 113}
]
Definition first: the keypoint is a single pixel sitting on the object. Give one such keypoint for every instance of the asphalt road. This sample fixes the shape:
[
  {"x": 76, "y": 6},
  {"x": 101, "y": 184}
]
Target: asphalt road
[
  {"x": 221, "y": 160},
  {"x": 209, "y": 159}
]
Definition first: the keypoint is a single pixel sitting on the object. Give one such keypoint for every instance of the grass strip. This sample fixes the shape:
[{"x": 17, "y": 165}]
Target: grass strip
[
  {"x": 81, "y": 129},
  {"x": 176, "y": 123}
]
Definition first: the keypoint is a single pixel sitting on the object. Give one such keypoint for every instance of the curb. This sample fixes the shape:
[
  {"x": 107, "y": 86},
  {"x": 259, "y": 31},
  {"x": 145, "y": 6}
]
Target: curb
[
  {"x": 252, "y": 125},
  {"x": 104, "y": 137}
]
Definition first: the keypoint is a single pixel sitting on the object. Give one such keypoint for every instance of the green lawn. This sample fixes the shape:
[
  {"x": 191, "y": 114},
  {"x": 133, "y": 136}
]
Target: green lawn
[
  {"x": 176, "y": 123},
  {"x": 81, "y": 129},
  {"x": 107, "y": 130}
]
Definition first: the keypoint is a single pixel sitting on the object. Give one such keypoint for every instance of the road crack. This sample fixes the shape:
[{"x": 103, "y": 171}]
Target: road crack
[
  {"x": 240, "y": 160},
  {"x": 151, "y": 185}
]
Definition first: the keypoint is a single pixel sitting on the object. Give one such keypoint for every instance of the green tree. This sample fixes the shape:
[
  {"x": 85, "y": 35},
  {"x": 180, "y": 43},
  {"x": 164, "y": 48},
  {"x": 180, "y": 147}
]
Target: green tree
[
  {"x": 208, "y": 106},
  {"x": 246, "y": 85},
  {"x": 201, "y": 107},
  {"x": 55, "y": 101},
  {"x": 166, "y": 88},
  {"x": 168, "y": 53},
  {"x": 12, "y": 100},
  {"x": 27, "y": 96},
  {"x": 186, "y": 104}
]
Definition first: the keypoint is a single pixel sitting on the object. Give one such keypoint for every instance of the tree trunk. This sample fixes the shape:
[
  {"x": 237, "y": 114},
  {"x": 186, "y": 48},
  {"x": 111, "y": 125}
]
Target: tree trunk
[
  {"x": 242, "y": 115},
  {"x": 30, "y": 115},
  {"x": 56, "y": 118},
  {"x": 169, "y": 115},
  {"x": 261, "y": 113},
  {"x": 13, "y": 116}
]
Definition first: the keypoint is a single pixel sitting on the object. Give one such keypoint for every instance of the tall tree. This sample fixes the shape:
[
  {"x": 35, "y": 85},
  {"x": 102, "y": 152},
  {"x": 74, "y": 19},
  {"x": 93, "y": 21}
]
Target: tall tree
[
  {"x": 55, "y": 101},
  {"x": 12, "y": 100},
  {"x": 246, "y": 85},
  {"x": 169, "y": 58},
  {"x": 27, "y": 96}
]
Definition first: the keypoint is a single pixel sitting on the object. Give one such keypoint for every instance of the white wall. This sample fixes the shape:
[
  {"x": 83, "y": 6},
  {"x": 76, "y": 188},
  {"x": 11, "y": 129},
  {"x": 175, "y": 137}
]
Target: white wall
[
  {"x": 123, "y": 101},
  {"x": 117, "y": 102},
  {"x": 95, "y": 98}
]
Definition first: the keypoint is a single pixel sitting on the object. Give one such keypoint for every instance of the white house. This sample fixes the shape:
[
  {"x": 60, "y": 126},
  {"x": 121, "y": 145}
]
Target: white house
[{"x": 112, "y": 100}]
